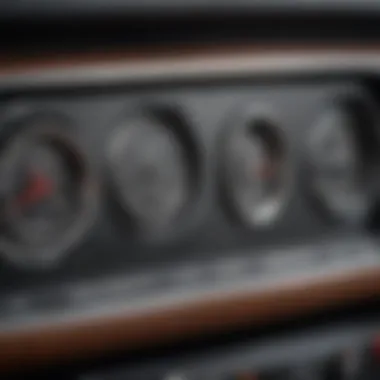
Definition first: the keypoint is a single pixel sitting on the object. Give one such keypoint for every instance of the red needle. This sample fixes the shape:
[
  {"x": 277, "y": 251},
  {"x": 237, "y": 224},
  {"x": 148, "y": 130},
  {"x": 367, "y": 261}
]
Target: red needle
[
  {"x": 38, "y": 188},
  {"x": 266, "y": 170}
]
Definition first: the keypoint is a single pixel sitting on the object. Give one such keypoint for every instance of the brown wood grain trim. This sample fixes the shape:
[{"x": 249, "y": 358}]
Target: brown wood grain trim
[
  {"x": 57, "y": 343},
  {"x": 18, "y": 63}
]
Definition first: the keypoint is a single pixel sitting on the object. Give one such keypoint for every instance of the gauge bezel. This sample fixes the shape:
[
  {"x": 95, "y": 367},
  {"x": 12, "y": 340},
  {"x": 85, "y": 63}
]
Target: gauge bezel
[
  {"x": 359, "y": 105},
  {"x": 61, "y": 130},
  {"x": 172, "y": 118},
  {"x": 245, "y": 120}
]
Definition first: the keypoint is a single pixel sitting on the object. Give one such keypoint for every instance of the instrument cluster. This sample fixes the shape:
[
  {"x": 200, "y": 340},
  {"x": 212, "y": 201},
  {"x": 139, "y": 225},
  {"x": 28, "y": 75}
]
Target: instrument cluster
[{"x": 183, "y": 171}]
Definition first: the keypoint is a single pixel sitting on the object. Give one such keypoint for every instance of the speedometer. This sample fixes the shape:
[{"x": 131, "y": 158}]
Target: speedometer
[{"x": 48, "y": 194}]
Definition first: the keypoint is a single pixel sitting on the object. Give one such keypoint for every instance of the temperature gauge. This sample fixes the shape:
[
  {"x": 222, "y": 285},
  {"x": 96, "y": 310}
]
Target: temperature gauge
[{"x": 47, "y": 192}]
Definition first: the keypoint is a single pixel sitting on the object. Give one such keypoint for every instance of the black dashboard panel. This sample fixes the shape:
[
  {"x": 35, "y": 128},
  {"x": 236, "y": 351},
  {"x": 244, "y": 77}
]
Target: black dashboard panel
[
  {"x": 208, "y": 231},
  {"x": 205, "y": 228}
]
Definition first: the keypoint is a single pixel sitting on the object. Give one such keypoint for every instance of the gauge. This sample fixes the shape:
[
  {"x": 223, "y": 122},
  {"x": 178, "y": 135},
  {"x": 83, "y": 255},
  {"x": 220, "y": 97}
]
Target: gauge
[
  {"x": 255, "y": 171},
  {"x": 339, "y": 150},
  {"x": 47, "y": 192},
  {"x": 150, "y": 170}
]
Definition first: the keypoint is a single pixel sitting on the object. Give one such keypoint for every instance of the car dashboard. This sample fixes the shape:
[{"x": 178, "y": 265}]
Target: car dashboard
[{"x": 180, "y": 174}]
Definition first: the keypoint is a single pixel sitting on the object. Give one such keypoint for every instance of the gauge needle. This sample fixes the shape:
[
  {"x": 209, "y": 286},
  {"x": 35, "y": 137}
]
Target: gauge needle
[
  {"x": 265, "y": 170},
  {"x": 38, "y": 188}
]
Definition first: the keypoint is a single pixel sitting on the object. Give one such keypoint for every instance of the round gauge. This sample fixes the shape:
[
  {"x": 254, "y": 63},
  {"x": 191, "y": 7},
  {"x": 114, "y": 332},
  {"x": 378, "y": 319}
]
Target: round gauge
[
  {"x": 254, "y": 171},
  {"x": 150, "y": 169},
  {"x": 47, "y": 192},
  {"x": 339, "y": 150}
]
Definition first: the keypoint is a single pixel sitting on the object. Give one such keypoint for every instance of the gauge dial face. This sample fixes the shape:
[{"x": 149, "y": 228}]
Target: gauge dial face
[
  {"x": 150, "y": 172},
  {"x": 255, "y": 172},
  {"x": 46, "y": 200},
  {"x": 337, "y": 164}
]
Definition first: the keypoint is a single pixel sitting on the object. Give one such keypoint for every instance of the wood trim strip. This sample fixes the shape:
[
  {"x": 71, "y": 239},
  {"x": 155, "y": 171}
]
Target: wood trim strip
[
  {"x": 18, "y": 63},
  {"x": 73, "y": 340}
]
